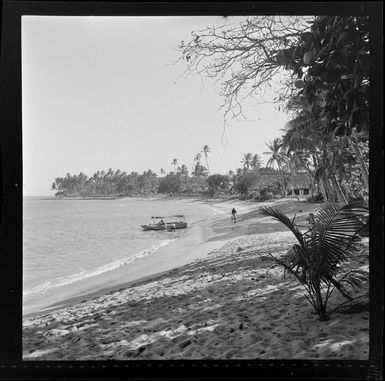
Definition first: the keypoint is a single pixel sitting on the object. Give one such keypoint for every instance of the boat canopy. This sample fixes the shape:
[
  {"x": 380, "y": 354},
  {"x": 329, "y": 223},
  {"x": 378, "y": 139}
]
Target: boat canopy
[{"x": 175, "y": 215}]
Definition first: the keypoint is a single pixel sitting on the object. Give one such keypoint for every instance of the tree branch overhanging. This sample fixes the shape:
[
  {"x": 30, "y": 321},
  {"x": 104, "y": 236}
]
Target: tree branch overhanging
[{"x": 245, "y": 57}]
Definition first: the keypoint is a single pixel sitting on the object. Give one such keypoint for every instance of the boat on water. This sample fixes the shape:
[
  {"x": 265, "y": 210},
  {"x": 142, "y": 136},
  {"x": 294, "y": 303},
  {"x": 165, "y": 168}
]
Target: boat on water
[{"x": 169, "y": 223}]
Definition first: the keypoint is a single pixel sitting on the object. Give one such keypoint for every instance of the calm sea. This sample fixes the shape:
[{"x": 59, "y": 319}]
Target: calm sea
[{"x": 67, "y": 241}]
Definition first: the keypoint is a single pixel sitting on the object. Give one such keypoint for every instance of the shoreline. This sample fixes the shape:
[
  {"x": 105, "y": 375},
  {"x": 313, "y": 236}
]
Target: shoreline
[
  {"x": 182, "y": 249},
  {"x": 212, "y": 228},
  {"x": 232, "y": 303},
  {"x": 142, "y": 197}
]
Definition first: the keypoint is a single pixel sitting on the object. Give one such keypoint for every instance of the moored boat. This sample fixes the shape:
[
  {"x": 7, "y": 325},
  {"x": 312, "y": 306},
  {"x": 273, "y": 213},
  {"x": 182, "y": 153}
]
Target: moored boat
[{"x": 166, "y": 223}]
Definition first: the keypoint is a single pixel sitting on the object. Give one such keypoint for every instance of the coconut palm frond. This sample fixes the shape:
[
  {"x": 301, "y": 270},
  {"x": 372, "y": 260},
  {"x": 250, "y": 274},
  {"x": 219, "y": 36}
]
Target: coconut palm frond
[
  {"x": 292, "y": 258},
  {"x": 296, "y": 262},
  {"x": 339, "y": 286},
  {"x": 335, "y": 230},
  {"x": 270, "y": 162},
  {"x": 359, "y": 213},
  {"x": 281, "y": 217},
  {"x": 355, "y": 278},
  {"x": 279, "y": 261},
  {"x": 348, "y": 219},
  {"x": 319, "y": 259},
  {"x": 292, "y": 262},
  {"x": 338, "y": 223}
]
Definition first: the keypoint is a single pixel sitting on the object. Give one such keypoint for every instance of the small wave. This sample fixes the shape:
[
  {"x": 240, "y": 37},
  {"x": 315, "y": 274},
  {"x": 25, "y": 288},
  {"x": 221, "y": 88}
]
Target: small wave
[{"x": 66, "y": 280}]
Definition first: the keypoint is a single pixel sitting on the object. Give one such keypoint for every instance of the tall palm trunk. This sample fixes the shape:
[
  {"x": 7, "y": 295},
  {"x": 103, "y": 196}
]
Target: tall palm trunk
[
  {"x": 212, "y": 182},
  {"x": 323, "y": 188},
  {"x": 283, "y": 180},
  {"x": 206, "y": 149},
  {"x": 311, "y": 188},
  {"x": 341, "y": 197}
]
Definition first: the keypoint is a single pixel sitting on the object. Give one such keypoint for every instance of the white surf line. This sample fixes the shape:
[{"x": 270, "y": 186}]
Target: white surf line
[{"x": 85, "y": 274}]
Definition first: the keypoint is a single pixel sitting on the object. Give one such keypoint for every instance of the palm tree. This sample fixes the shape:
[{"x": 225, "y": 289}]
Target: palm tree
[
  {"x": 256, "y": 162},
  {"x": 206, "y": 150},
  {"x": 198, "y": 157},
  {"x": 174, "y": 163},
  {"x": 317, "y": 261},
  {"x": 247, "y": 160},
  {"x": 231, "y": 176},
  {"x": 199, "y": 170},
  {"x": 183, "y": 170},
  {"x": 238, "y": 173},
  {"x": 277, "y": 157}
]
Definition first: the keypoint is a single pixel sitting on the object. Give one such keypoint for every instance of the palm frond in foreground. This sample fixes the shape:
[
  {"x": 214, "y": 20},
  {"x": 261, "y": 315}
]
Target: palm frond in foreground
[{"x": 319, "y": 259}]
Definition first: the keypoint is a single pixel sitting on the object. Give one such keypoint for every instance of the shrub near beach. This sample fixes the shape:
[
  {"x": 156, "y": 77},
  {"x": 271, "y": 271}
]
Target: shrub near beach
[{"x": 318, "y": 261}]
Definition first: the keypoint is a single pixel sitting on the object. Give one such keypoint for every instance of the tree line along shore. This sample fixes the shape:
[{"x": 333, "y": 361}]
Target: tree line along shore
[{"x": 293, "y": 177}]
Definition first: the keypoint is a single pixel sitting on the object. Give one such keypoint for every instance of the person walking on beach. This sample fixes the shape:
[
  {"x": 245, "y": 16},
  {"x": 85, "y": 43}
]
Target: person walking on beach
[{"x": 234, "y": 215}]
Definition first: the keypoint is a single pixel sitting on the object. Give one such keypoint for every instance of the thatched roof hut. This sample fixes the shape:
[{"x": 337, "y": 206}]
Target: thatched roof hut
[
  {"x": 266, "y": 178},
  {"x": 299, "y": 182}
]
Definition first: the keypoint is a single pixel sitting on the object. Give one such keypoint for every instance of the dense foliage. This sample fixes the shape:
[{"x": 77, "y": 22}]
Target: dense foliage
[
  {"x": 121, "y": 184},
  {"x": 331, "y": 62},
  {"x": 244, "y": 181}
]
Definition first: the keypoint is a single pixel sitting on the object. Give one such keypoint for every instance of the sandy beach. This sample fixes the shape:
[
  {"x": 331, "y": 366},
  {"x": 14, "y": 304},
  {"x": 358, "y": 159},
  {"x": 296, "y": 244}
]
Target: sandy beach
[{"x": 231, "y": 302}]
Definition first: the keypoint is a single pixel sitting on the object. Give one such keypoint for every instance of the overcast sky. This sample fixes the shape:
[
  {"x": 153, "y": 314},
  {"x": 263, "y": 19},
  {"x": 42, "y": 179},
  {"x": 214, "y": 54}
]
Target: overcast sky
[{"x": 103, "y": 92}]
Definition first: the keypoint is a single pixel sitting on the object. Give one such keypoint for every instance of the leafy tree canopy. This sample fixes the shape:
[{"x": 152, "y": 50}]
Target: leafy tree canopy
[
  {"x": 244, "y": 57},
  {"x": 324, "y": 59}
]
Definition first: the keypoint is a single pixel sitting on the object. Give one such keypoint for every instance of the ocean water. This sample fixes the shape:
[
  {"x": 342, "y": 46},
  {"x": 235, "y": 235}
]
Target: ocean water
[{"x": 68, "y": 241}]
